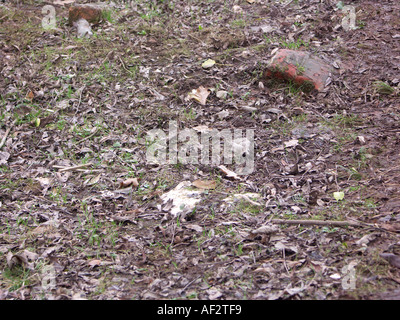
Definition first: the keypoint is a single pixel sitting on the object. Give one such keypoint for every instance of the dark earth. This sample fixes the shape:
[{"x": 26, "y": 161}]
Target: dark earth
[{"x": 102, "y": 230}]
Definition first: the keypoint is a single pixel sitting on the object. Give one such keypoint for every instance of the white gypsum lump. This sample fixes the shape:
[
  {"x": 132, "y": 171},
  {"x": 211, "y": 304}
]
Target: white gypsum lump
[{"x": 83, "y": 28}]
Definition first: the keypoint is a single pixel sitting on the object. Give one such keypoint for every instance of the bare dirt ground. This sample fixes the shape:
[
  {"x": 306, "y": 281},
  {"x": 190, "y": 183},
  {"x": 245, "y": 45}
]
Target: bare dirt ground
[{"x": 84, "y": 233}]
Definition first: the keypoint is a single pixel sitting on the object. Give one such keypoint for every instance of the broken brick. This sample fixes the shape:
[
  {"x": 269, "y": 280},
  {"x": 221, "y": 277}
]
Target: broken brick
[
  {"x": 90, "y": 12},
  {"x": 300, "y": 67}
]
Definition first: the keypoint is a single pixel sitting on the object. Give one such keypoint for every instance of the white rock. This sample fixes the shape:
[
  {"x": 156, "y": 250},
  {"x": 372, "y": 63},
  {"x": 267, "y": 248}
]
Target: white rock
[
  {"x": 221, "y": 94},
  {"x": 182, "y": 197},
  {"x": 83, "y": 28}
]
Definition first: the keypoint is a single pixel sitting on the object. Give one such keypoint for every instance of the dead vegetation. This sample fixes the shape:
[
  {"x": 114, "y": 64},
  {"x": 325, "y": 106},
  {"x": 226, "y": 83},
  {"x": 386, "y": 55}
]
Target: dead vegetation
[{"x": 74, "y": 118}]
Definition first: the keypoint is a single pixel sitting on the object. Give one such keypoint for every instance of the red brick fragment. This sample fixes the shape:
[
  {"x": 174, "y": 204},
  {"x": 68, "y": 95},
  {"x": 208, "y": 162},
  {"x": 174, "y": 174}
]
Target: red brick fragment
[
  {"x": 90, "y": 12},
  {"x": 300, "y": 67}
]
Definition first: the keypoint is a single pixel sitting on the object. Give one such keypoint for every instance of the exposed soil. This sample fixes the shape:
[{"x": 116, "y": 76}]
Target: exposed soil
[{"x": 86, "y": 233}]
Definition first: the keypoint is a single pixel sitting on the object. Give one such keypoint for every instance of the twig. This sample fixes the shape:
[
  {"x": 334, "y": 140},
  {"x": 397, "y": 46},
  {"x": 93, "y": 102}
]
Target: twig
[
  {"x": 123, "y": 65},
  {"x": 284, "y": 261},
  {"x": 319, "y": 222},
  {"x": 89, "y": 170},
  {"x": 63, "y": 169},
  {"x": 246, "y": 198},
  {"x": 80, "y": 98},
  {"x": 3, "y": 141},
  {"x": 80, "y": 90},
  {"x": 185, "y": 287},
  {"x": 286, "y": 4},
  {"x": 88, "y": 137},
  {"x": 192, "y": 36},
  {"x": 107, "y": 56}
]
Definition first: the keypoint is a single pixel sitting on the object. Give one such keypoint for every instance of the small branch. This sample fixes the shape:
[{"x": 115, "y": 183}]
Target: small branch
[
  {"x": 1, "y": 19},
  {"x": 123, "y": 65},
  {"x": 107, "y": 56},
  {"x": 185, "y": 287},
  {"x": 3, "y": 141},
  {"x": 88, "y": 137},
  {"x": 319, "y": 222},
  {"x": 80, "y": 98},
  {"x": 63, "y": 169},
  {"x": 286, "y": 4},
  {"x": 197, "y": 39}
]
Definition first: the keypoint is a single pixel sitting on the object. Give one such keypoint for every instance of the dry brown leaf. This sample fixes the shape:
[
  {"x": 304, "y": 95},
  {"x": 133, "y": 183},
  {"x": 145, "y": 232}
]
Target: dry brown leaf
[
  {"x": 92, "y": 181},
  {"x": 123, "y": 219},
  {"x": 202, "y": 129},
  {"x": 263, "y": 270},
  {"x": 129, "y": 182},
  {"x": 200, "y": 95},
  {"x": 265, "y": 230},
  {"x": 366, "y": 239},
  {"x": 194, "y": 227},
  {"x": 393, "y": 227},
  {"x": 25, "y": 259},
  {"x": 13, "y": 260},
  {"x": 94, "y": 262},
  {"x": 291, "y": 143},
  {"x": 396, "y": 248},
  {"x": 63, "y": 2},
  {"x": 30, "y": 95},
  {"x": 135, "y": 211},
  {"x": 45, "y": 229},
  {"x": 205, "y": 184},
  {"x": 229, "y": 173},
  {"x": 393, "y": 259},
  {"x": 4, "y": 157}
]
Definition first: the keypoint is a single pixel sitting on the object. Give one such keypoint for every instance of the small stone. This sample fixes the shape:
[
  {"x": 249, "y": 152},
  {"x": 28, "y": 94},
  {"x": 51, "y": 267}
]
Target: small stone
[
  {"x": 360, "y": 140},
  {"x": 83, "y": 28},
  {"x": 223, "y": 114},
  {"x": 237, "y": 9},
  {"x": 296, "y": 209},
  {"x": 221, "y": 94}
]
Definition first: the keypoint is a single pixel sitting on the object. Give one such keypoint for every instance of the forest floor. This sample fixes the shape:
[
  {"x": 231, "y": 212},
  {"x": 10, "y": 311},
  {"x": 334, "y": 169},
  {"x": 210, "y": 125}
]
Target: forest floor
[{"x": 103, "y": 230}]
